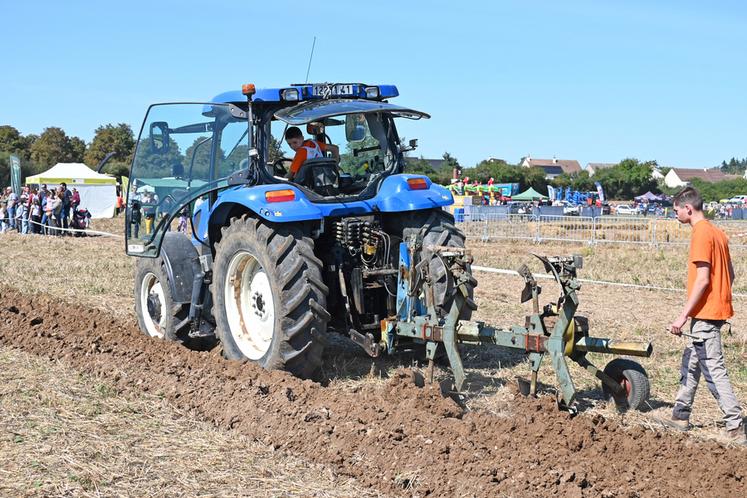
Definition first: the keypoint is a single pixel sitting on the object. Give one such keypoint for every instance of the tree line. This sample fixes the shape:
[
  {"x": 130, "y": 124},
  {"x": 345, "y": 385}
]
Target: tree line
[
  {"x": 40, "y": 152},
  {"x": 625, "y": 180}
]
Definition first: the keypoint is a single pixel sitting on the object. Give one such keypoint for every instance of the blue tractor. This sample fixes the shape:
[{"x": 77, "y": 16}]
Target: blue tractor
[
  {"x": 238, "y": 242},
  {"x": 273, "y": 260}
]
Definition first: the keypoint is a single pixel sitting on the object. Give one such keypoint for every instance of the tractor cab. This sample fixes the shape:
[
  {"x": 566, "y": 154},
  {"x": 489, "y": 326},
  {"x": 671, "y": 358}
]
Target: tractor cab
[{"x": 188, "y": 152}]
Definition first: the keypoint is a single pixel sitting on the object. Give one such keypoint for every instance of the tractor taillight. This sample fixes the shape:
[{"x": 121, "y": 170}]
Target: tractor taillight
[
  {"x": 280, "y": 195},
  {"x": 417, "y": 183}
]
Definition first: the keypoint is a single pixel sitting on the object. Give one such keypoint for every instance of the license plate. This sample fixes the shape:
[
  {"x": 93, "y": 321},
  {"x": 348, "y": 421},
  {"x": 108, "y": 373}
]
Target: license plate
[{"x": 326, "y": 91}]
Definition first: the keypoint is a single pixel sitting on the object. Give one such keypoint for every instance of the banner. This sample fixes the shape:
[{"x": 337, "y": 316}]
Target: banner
[
  {"x": 15, "y": 174},
  {"x": 551, "y": 192},
  {"x": 600, "y": 190},
  {"x": 125, "y": 188}
]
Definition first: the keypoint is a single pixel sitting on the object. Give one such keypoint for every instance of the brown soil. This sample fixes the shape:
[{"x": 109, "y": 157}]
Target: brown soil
[{"x": 396, "y": 438}]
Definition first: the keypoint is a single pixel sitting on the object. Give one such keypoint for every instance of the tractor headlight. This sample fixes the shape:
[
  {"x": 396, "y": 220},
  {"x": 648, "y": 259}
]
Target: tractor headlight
[{"x": 290, "y": 94}]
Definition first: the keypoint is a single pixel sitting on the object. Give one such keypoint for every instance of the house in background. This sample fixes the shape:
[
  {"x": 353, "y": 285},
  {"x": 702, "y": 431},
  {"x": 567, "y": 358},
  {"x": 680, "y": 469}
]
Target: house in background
[
  {"x": 595, "y": 167},
  {"x": 552, "y": 167},
  {"x": 435, "y": 164},
  {"x": 681, "y": 177}
]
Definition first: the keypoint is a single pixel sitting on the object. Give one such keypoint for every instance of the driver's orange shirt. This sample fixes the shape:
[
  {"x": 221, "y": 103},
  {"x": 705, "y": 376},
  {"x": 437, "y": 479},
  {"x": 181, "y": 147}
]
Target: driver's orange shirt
[{"x": 302, "y": 154}]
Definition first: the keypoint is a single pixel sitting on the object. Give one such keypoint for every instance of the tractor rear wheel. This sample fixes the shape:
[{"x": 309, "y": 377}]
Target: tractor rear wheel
[
  {"x": 157, "y": 314},
  {"x": 632, "y": 376},
  {"x": 270, "y": 300}
]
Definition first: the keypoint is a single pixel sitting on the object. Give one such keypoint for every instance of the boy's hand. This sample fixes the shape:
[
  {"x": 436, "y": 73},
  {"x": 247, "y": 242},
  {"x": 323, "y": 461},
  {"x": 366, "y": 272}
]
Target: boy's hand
[{"x": 676, "y": 326}]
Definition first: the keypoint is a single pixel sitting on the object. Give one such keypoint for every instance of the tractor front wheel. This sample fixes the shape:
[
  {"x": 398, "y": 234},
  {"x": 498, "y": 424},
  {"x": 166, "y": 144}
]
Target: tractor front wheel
[
  {"x": 633, "y": 378},
  {"x": 269, "y": 296},
  {"x": 157, "y": 314}
]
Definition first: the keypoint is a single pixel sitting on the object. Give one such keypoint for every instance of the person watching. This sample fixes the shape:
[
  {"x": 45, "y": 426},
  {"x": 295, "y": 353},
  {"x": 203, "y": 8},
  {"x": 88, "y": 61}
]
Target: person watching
[{"x": 306, "y": 149}]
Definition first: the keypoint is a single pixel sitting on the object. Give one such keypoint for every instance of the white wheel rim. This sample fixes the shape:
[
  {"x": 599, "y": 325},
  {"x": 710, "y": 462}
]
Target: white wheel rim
[
  {"x": 250, "y": 307},
  {"x": 151, "y": 289}
]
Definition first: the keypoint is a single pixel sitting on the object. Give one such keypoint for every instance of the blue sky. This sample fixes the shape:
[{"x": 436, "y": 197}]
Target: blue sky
[{"x": 592, "y": 81}]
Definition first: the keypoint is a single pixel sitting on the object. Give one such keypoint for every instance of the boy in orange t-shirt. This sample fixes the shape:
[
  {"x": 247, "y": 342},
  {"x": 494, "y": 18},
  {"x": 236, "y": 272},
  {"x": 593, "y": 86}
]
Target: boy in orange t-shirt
[
  {"x": 709, "y": 280},
  {"x": 305, "y": 149}
]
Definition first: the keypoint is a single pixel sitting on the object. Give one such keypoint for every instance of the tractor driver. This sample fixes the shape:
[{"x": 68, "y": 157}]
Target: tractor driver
[{"x": 307, "y": 149}]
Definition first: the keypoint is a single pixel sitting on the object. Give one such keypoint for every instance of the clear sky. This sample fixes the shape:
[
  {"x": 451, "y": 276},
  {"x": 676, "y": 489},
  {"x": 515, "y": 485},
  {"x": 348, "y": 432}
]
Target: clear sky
[{"x": 595, "y": 81}]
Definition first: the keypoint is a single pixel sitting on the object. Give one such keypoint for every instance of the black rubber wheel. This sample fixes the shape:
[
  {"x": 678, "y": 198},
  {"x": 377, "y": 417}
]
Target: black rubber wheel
[
  {"x": 157, "y": 314},
  {"x": 269, "y": 297},
  {"x": 634, "y": 380},
  {"x": 439, "y": 230}
]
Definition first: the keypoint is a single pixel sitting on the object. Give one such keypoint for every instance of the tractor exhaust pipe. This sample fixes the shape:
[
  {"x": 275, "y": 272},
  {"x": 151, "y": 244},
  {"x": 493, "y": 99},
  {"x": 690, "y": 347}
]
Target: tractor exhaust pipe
[{"x": 612, "y": 346}]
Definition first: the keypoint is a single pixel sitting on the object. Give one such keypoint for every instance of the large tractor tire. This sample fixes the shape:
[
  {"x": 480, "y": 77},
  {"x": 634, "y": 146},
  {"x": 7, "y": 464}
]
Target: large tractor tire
[
  {"x": 439, "y": 230},
  {"x": 157, "y": 313},
  {"x": 269, "y": 297}
]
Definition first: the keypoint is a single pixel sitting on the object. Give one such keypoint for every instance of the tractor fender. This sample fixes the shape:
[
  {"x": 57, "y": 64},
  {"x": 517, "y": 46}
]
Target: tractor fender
[
  {"x": 178, "y": 254},
  {"x": 253, "y": 199},
  {"x": 395, "y": 195}
]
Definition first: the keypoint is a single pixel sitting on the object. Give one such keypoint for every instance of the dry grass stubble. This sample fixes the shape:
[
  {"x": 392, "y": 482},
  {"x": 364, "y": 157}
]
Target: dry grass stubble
[{"x": 62, "y": 434}]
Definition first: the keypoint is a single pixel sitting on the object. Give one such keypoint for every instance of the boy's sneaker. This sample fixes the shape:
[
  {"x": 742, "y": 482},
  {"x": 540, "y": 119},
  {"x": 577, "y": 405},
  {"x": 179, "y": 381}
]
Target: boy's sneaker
[
  {"x": 676, "y": 424},
  {"x": 737, "y": 436}
]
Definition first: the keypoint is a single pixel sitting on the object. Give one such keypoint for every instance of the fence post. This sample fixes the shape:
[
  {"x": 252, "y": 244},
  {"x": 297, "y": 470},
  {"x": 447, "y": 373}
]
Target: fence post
[
  {"x": 653, "y": 232},
  {"x": 538, "y": 233},
  {"x": 593, "y": 231},
  {"x": 485, "y": 230}
]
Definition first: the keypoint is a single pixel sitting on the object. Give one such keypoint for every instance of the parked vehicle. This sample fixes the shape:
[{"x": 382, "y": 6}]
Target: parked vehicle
[
  {"x": 624, "y": 209},
  {"x": 570, "y": 209},
  {"x": 738, "y": 199}
]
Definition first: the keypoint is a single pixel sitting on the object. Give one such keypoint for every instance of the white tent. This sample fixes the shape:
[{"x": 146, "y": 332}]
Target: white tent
[{"x": 98, "y": 192}]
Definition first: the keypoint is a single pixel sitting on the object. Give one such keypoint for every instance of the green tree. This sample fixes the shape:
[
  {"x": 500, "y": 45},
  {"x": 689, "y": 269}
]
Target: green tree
[
  {"x": 54, "y": 146},
  {"x": 12, "y": 141},
  {"x": 627, "y": 179},
  {"x": 109, "y": 138},
  {"x": 77, "y": 150}
]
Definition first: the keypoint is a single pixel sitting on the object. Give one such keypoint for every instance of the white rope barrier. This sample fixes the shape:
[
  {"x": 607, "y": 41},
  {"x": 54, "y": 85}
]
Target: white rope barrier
[
  {"x": 86, "y": 231},
  {"x": 502, "y": 271}
]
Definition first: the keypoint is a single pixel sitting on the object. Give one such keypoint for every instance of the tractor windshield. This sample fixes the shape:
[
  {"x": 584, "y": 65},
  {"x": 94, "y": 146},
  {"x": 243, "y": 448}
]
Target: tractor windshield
[
  {"x": 183, "y": 151},
  {"x": 344, "y": 145}
]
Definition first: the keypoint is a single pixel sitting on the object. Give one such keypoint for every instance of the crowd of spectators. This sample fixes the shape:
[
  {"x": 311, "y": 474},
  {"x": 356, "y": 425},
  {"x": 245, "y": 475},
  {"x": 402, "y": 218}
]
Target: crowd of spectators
[{"x": 38, "y": 210}]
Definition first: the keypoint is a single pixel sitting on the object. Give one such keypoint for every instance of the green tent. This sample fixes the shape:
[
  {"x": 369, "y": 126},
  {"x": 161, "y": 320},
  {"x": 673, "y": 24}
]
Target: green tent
[{"x": 528, "y": 195}]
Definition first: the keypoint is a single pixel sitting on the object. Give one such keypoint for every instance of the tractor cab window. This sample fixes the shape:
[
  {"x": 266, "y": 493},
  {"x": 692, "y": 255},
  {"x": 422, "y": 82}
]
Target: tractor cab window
[
  {"x": 355, "y": 147},
  {"x": 357, "y": 138},
  {"x": 183, "y": 151}
]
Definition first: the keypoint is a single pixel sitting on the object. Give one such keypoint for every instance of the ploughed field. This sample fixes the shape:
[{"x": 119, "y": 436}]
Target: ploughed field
[{"x": 89, "y": 406}]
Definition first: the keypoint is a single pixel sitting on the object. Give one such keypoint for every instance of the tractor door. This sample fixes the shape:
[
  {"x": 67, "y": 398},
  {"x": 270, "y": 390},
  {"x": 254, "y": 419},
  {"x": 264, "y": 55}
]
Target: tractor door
[{"x": 183, "y": 152}]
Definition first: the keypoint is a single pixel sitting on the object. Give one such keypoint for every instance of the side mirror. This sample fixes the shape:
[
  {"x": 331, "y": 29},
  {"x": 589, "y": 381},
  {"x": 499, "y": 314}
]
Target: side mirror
[
  {"x": 159, "y": 137},
  {"x": 411, "y": 145},
  {"x": 355, "y": 127}
]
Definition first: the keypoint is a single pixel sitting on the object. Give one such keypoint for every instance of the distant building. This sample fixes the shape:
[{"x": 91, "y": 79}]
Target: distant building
[
  {"x": 681, "y": 177},
  {"x": 435, "y": 164},
  {"x": 553, "y": 167},
  {"x": 595, "y": 167}
]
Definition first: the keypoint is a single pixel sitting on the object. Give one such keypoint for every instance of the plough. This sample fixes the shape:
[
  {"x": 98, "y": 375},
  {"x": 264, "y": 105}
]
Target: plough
[{"x": 553, "y": 330}]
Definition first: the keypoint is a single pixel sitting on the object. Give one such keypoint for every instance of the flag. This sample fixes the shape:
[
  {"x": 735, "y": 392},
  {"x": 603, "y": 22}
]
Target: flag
[
  {"x": 15, "y": 174},
  {"x": 600, "y": 191}
]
